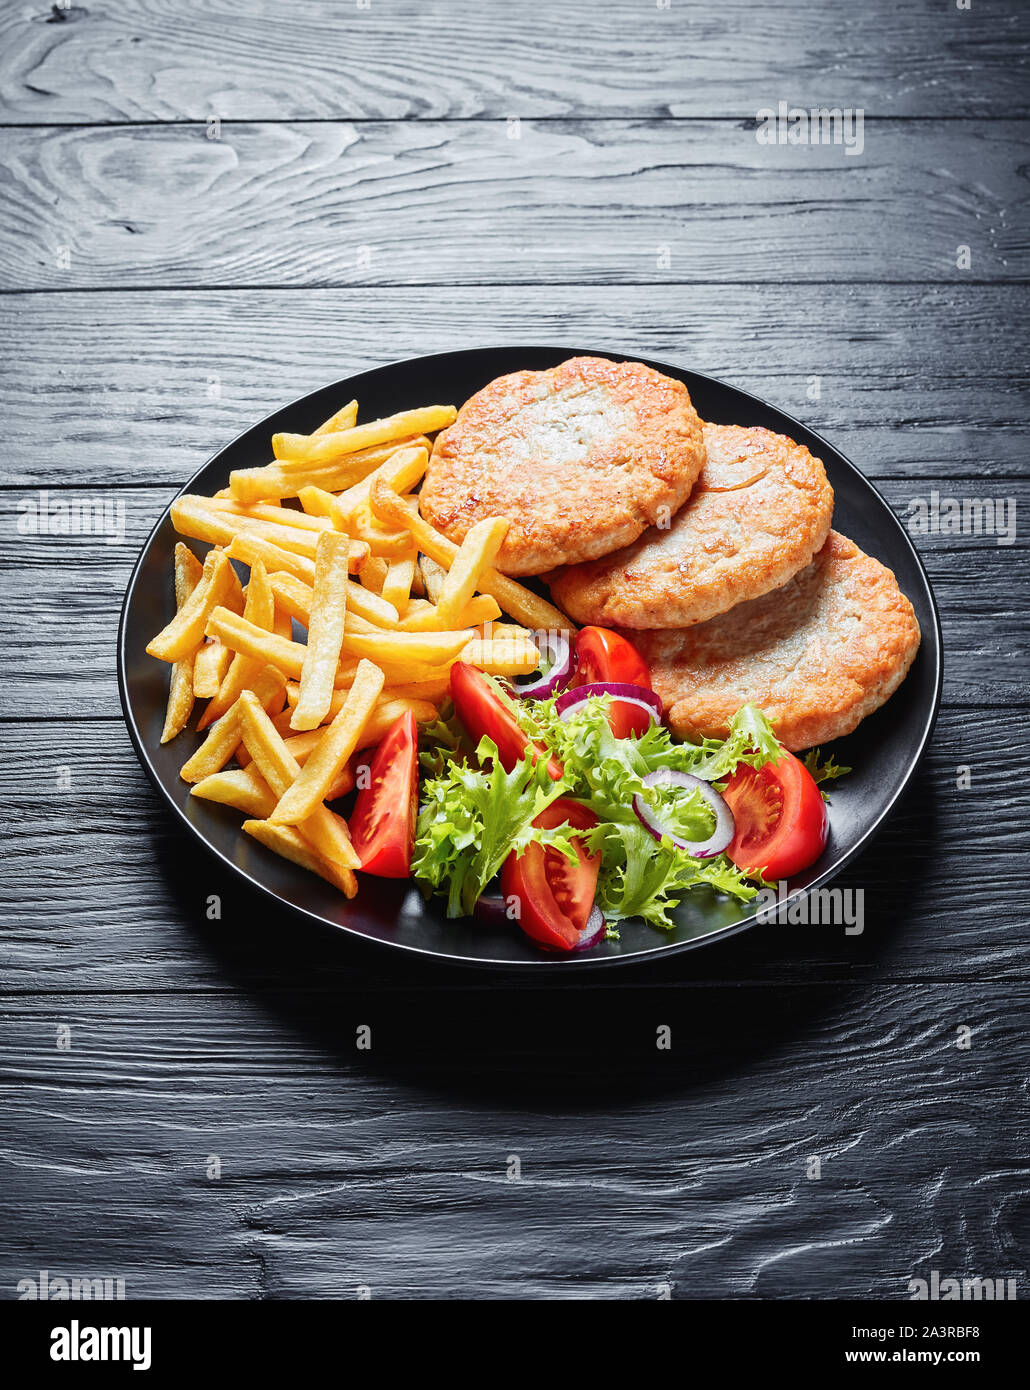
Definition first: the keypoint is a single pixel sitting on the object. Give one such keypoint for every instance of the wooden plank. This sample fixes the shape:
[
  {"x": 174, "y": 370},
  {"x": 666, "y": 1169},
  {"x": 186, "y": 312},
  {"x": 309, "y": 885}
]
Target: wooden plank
[
  {"x": 392, "y": 1169},
  {"x": 913, "y": 381},
  {"x": 445, "y": 203},
  {"x": 126, "y": 60},
  {"x": 943, "y": 885},
  {"x": 64, "y": 593}
]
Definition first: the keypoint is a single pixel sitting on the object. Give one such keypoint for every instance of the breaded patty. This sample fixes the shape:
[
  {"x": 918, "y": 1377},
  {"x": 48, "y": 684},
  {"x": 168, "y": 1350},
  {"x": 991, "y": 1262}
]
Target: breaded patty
[
  {"x": 758, "y": 513},
  {"x": 817, "y": 655},
  {"x": 581, "y": 458}
]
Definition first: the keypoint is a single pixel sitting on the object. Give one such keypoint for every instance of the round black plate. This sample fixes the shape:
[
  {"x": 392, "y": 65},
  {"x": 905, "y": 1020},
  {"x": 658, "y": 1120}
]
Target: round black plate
[{"x": 884, "y": 751}]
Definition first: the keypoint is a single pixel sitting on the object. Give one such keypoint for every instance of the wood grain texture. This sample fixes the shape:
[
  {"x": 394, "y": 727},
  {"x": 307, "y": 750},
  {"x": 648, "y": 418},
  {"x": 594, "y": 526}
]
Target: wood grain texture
[
  {"x": 431, "y": 203},
  {"x": 913, "y": 381},
  {"x": 77, "y": 796},
  {"x": 64, "y": 595},
  {"x": 389, "y": 1168},
  {"x": 116, "y": 60}
]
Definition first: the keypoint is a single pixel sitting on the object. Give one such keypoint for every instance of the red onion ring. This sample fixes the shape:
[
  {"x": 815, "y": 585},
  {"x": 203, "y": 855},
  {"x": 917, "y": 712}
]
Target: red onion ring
[
  {"x": 558, "y": 676},
  {"x": 592, "y": 932},
  {"x": 651, "y": 819},
  {"x": 631, "y": 694}
]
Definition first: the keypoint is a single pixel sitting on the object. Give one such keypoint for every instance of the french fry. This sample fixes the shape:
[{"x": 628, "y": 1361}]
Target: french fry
[
  {"x": 290, "y": 844},
  {"x": 273, "y": 512},
  {"x": 325, "y": 631},
  {"x": 399, "y": 578},
  {"x": 224, "y": 736},
  {"x": 209, "y": 668},
  {"x": 242, "y": 788},
  {"x": 312, "y": 451},
  {"x": 207, "y": 520},
  {"x": 425, "y": 648},
  {"x": 423, "y": 697},
  {"x": 276, "y": 481},
  {"x": 476, "y": 554},
  {"x": 181, "y": 685},
  {"x": 516, "y": 600},
  {"x": 478, "y": 610},
  {"x": 380, "y": 539},
  {"x": 341, "y": 738},
  {"x": 344, "y": 419},
  {"x": 400, "y": 472},
  {"x": 502, "y": 658},
  {"x": 317, "y": 503},
  {"x": 184, "y": 633},
  {"x": 433, "y": 575},
  {"x": 292, "y": 595},
  {"x": 324, "y": 829},
  {"x": 373, "y": 573},
  {"x": 250, "y": 549},
  {"x": 259, "y": 610},
  {"x": 251, "y": 640}
]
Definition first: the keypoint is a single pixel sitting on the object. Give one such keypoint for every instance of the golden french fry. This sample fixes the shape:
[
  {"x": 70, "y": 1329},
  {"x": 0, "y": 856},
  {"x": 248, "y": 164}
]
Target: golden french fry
[
  {"x": 182, "y": 684},
  {"x": 392, "y": 545},
  {"x": 242, "y": 788},
  {"x": 318, "y": 504},
  {"x": 420, "y": 696},
  {"x": 208, "y": 520},
  {"x": 433, "y": 576},
  {"x": 301, "y": 746},
  {"x": 514, "y": 598},
  {"x": 325, "y": 631},
  {"x": 223, "y": 737},
  {"x": 341, "y": 738},
  {"x": 276, "y": 481},
  {"x": 399, "y": 577},
  {"x": 251, "y": 640},
  {"x": 250, "y": 549},
  {"x": 478, "y": 610},
  {"x": 400, "y": 472},
  {"x": 209, "y": 668},
  {"x": 185, "y": 632},
  {"x": 311, "y": 451},
  {"x": 324, "y": 829},
  {"x": 425, "y": 648},
  {"x": 290, "y": 844},
  {"x": 476, "y": 554},
  {"x": 272, "y": 512},
  {"x": 502, "y": 658},
  {"x": 373, "y": 574},
  {"x": 344, "y": 419},
  {"x": 292, "y": 596},
  {"x": 260, "y": 611}
]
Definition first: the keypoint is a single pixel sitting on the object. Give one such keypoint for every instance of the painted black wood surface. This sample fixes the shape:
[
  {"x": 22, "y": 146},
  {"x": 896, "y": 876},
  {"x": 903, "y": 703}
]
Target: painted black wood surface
[{"x": 185, "y": 192}]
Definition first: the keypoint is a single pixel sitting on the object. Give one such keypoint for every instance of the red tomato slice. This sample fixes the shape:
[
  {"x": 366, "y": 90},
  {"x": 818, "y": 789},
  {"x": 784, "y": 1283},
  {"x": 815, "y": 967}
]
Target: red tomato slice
[
  {"x": 780, "y": 817},
  {"x": 485, "y": 716},
  {"x": 604, "y": 657},
  {"x": 382, "y": 824},
  {"x": 554, "y": 896}
]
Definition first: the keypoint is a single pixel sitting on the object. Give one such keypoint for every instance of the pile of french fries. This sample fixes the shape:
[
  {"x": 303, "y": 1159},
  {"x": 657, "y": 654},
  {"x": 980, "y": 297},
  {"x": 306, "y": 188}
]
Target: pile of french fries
[{"x": 331, "y": 534}]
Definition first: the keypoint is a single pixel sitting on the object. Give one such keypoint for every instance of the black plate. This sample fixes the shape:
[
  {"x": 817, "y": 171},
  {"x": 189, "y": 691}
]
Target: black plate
[{"x": 884, "y": 751}]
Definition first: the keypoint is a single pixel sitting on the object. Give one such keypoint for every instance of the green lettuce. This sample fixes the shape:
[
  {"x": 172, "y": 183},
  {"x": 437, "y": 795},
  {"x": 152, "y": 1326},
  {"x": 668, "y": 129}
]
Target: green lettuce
[{"x": 474, "y": 814}]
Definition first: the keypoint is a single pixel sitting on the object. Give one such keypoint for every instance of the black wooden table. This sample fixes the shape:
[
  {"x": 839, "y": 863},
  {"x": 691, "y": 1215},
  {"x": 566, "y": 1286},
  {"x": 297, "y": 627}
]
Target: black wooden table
[{"x": 209, "y": 208}]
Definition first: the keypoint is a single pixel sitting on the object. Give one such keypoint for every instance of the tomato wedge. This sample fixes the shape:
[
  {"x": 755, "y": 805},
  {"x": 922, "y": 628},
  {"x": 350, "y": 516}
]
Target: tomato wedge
[
  {"x": 780, "y": 817},
  {"x": 486, "y": 716},
  {"x": 382, "y": 824},
  {"x": 554, "y": 896},
  {"x": 604, "y": 657}
]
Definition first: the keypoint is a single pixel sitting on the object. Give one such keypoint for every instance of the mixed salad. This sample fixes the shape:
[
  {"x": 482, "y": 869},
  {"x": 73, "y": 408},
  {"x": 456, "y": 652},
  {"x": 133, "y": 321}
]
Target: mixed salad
[{"x": 564, "y": 806}]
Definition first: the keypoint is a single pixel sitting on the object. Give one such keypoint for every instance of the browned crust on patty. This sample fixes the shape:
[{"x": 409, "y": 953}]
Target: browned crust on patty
[
  {"x": 759, "y": 512},
  {"x": 817, "y": 655},
  {"x": 581, "y": 458}
]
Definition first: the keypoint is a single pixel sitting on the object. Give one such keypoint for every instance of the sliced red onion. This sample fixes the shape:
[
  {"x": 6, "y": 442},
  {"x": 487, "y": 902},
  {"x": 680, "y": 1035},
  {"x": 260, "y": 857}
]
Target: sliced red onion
[
  {"x": 593, "y": 932},
  {"x": 640, "y": 695},
  {"x": 651, "y": 819},
  {"x": 557, "y": 646}
]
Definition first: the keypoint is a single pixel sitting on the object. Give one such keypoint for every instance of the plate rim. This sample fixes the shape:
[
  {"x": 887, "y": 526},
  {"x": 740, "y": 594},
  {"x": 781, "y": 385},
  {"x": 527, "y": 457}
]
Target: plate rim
[{"x": 574, "y": 962}]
